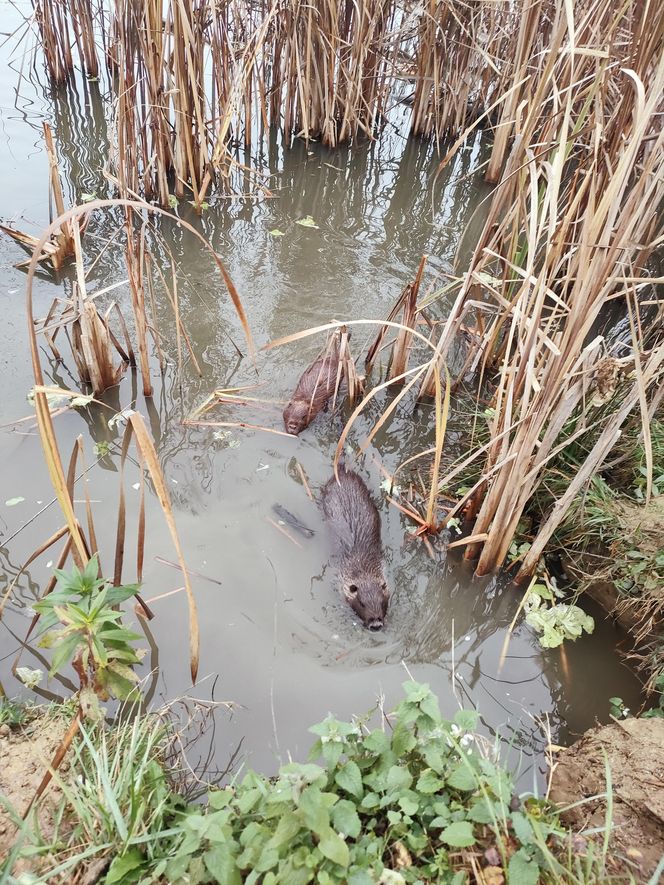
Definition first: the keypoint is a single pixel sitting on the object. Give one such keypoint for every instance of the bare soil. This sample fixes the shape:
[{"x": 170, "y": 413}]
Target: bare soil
[
  {"x": 25, "y": 754},
  {"x": 635, "y": 753}
]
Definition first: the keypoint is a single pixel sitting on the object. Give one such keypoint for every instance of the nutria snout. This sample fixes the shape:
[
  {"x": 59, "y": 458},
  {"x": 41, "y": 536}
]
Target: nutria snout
[{"x": 355, "y": 526}]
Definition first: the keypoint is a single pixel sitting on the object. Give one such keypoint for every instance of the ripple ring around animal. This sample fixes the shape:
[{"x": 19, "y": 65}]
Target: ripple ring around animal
[{"x": 355, "y": 526}]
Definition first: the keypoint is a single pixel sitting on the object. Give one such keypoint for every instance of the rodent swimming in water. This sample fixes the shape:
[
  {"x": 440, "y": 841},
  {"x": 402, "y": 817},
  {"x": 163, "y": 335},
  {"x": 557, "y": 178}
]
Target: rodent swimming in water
[
  {"x": 355, "y": 524},
  {"x": 315, "y": 388}
]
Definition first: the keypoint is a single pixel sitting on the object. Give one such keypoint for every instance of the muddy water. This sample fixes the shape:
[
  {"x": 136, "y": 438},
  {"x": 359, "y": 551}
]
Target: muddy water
[{"x": 276, "y": 641}]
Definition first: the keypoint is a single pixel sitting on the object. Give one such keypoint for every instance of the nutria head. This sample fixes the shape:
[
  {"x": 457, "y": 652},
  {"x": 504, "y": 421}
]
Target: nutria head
[
  {"x": 296, "y": 416},
  {"x": 368, "y": 596}
]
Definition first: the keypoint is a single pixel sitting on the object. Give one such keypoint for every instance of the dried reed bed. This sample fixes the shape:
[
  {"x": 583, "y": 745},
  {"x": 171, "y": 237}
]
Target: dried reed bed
[
  {"x": 194, "y": 79},
  {"x": 94, "y": 347},
  {"x": 568, "y": 235},
  {"x": 63, "y": 25},
  {"x": 62, "y": 244}
]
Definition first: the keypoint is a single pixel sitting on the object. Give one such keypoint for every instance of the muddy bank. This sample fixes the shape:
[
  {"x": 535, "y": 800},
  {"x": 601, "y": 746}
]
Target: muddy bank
[
  {"x": 634, "y": 752},
  {"x": 25, "y": 752}
]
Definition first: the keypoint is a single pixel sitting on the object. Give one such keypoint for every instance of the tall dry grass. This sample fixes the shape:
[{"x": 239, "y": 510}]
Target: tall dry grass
[
  {"x": 569, "y": 231},
  {"x": 63, "y": 26},
  {"x": 193, "y": 79}
]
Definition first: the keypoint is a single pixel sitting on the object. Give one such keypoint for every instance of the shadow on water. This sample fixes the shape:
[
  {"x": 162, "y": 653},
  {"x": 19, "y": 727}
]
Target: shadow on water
[{"x": 276, "y": 638}]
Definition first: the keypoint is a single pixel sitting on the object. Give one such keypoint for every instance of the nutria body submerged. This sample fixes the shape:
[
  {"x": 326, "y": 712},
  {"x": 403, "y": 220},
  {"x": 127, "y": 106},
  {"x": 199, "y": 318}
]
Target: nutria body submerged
[
  {"x": 355, "y": 525},
  {"x": 312, "y": 393}
]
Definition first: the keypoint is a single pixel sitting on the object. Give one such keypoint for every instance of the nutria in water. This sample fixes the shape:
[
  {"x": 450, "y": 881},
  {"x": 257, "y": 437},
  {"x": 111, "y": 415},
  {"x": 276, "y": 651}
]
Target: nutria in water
[
  {"x": 355, "y": 524},
  {"x": 312, "y": 393}
]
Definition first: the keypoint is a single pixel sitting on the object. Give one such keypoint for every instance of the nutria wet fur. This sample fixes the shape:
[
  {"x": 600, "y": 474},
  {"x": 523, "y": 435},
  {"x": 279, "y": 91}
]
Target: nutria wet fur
[
  {"x": 355, "y": 524},
  {"x": 312, "y": 393}
]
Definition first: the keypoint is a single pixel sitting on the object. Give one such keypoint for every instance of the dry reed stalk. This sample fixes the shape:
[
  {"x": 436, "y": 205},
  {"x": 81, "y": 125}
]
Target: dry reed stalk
[
  {"x": 57, "y": 20},
  {"x": 134, "y": 258},
  {"x": 404, "y": 339},
  {"x": 331, "y": 67},
  {"x": 458, "y": 51},
  {"x": 404, "y": 308},
  {"x": 92, "y": 346},
  {"x": 348, "y": 370}
]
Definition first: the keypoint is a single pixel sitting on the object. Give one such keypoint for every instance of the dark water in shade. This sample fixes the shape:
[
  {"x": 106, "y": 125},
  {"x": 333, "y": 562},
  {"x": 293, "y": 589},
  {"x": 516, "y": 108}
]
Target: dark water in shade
[{"x": 275, "y": 638}]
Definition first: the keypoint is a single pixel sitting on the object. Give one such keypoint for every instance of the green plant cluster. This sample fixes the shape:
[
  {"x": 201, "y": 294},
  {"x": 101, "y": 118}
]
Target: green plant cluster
[
  {"x": 397, "y": 806},
  {"x": 82, "y": 623}
]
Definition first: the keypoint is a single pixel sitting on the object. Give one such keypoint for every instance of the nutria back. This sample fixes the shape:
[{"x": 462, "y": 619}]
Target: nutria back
[
  {"x": 312, "y": 393},
  {"x": 355, "y": 526}
]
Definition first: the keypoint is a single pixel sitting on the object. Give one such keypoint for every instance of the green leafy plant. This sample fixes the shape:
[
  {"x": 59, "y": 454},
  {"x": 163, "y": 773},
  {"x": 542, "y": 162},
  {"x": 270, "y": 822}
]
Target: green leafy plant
[
  {"x": 406, "y": 805},
  {"x": 13, "y": 713},
  {"x": 82, "y": 625},
  {"x": 417, "y": 799},
  {"x": 559, "y": 622},
  {"x": 657, "y": 712},
  {"x": 617, "y": 708},
  {"x": 640, "y": 571}
]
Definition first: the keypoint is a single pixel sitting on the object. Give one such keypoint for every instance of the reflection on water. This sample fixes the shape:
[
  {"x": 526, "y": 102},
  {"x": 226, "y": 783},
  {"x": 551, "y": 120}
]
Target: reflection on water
[{"x": 276, "y": 637}]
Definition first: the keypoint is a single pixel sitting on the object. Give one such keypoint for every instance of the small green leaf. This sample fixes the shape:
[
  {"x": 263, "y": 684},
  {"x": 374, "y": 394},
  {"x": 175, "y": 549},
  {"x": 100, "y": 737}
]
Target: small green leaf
[
  {"x": 458, "y": 835},
  {"x": 346, "y": 819},
  {"x": 314, "y": 812},
  {"x": 349, "y": 778},
  {"x": 333, "y": 847},
  {"x": 220, "y": 798},
  {"x": 462, "y": 778},
  {"x": 429, "y": 783},
  {"x": 88, "y": 198},
  {"x": 64, "y": 652},
  {"x": 307, "y": 221},
  {"x": 522, "y": 870},
  {"x": 12, "y": 502},
  {"x": 123, "y": 865},
  {"x": 275, "y": 232},
  {"x": 376, "y": 742},
  {"x": 221, "y": 865},
  {"x": 398, "y": 779},
  {"x": 522, "y": 828},
  {"x": 466, "y": 719},
  {"x": 409, "y": 804},
  {"x": 287, "y": 829},
  {"x": 173, "y": 201}
]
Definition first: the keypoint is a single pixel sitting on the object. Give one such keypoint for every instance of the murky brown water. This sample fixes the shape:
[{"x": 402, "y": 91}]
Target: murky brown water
[{"x": 275, "y": 638}]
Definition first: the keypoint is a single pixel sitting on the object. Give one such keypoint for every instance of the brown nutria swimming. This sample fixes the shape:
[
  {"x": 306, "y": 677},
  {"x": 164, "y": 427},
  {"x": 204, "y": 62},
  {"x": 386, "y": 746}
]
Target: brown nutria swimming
[
  {"x": 355, "y": 524},
  {"x": 312, "y": 394}
]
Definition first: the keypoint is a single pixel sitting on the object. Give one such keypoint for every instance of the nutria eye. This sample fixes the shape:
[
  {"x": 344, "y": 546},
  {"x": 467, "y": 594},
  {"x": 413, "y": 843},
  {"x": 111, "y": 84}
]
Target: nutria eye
[{"x": 352, "y": 588}]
